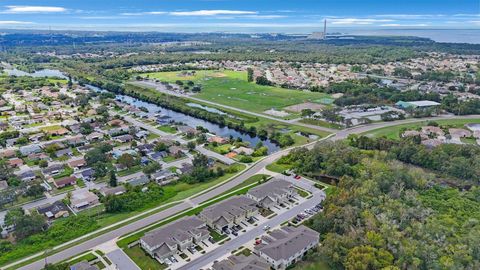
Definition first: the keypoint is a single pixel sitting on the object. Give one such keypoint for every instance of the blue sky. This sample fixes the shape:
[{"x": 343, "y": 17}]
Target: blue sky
[{"x": 238, "y": 15}]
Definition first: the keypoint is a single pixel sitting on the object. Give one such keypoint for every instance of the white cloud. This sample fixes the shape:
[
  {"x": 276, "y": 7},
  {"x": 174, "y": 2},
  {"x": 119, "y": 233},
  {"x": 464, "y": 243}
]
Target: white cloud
[
  {"x": 14, "y": 22},
  {"x": 410, "y": 16},
  {"x": 264, "y": 16},
  {"x": 32, "y": 9},
  {"x": 404, "y": 25},
  {"x": 215, "y": 12},
  {"x": 355, "y": 21}
]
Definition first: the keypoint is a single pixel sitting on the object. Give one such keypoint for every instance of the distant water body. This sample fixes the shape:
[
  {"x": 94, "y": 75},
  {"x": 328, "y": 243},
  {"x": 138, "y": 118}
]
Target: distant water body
[{"x": 439, "y": 35}]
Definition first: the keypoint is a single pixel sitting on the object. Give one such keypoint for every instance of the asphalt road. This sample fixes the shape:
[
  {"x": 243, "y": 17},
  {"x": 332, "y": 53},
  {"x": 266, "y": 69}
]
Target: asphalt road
[{"x": 255, "y": 169}]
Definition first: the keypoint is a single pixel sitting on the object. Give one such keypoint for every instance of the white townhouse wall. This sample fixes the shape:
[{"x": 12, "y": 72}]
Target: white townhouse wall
[{"x": 283, "y": 247}]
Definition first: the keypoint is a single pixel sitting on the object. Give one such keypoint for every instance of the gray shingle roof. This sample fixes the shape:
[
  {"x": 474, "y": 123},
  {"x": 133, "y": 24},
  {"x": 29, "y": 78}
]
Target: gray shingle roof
[
  {"x": 273, "y": 188},
  {"x": 228, "y": 208},
  {"x": 288, "y": 241},
  {"x": 242, "y": 262},
  {"x": 179, "y": 230}
]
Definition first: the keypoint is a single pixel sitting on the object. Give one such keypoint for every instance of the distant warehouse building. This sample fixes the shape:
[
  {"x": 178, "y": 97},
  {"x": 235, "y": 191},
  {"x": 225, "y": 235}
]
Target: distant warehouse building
[{"x": 421, "y": 104}]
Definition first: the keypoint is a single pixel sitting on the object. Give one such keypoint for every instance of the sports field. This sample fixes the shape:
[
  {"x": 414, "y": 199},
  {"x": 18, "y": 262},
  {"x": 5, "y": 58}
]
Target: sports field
[{"x": 231, "y": 88}]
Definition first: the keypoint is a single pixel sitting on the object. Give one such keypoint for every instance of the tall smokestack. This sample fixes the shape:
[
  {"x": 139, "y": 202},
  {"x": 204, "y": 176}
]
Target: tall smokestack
[{"x": 325, "y": 29}]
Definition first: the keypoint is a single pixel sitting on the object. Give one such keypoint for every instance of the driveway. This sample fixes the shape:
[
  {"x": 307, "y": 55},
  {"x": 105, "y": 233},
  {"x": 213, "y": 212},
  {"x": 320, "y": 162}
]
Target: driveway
[{"x": 121, "y": 260}]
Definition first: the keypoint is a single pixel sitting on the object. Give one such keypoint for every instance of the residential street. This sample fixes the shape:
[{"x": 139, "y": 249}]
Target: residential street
[{"x": 254, "y": 169}]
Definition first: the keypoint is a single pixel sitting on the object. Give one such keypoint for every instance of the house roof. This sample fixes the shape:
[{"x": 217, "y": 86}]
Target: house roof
[
  {"x": 66, "y": 180},
  {"x": 77, "y": 163},
  {"x": 233, "y": 206},
  {"x": 242, "y": 262},
  {"x": 273, "y": 188},
  {"x": 169, "y": 234},
  {"x": 53, "y": 208},
  {"x": 286, "y": 242},
  {"x": 82, "y": 197},
  {"x": 112, "y": 190}
]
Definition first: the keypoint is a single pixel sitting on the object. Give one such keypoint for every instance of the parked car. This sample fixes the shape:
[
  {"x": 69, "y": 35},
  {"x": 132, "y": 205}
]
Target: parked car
[
  {"x": 297, "y": 177},
  {"x": 235, "y": 233}
]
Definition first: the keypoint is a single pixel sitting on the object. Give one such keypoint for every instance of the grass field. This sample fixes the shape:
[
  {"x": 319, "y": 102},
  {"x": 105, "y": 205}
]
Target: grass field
[
  {"x": 232, "y": 88},
  {"x": 394, "y": 131},
  {"x": 144, "y": 261}
]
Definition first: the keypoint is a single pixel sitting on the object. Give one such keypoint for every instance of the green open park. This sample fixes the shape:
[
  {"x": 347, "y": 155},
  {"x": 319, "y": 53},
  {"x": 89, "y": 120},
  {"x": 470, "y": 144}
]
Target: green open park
[{"x": 231, "y": 88}]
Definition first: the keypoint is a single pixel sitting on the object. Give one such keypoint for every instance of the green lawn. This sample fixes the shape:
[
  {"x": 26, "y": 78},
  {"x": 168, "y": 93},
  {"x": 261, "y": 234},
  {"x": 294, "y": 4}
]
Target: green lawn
[
  {"x": 216, "y": 236},
  {"x": 232, "y": 88},
  {"x": 469, "y": 140},
  {"x": 168, "y": 129},
  {"x": 278, "y": 168},
  {"x": 321, "y": 123},
  {"x": 132, "y": 170},
  {"x": 143, "y": 260},
  {"x": 169, "y": 159},
  {"x": 393, "y": 132},
  {"x": 302, "y": 193},
  {"x": 221, "y": 149}
]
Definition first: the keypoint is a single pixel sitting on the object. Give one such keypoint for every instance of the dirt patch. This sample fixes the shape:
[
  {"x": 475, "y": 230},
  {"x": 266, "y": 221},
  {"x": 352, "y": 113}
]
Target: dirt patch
[
  {"x": 302, "y": 106},
  {"x": 276, "y": 113},
  {"x": 219, "y": 75}
]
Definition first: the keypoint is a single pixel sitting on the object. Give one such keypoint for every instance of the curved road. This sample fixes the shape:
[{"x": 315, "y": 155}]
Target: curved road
[{"x": 215, "y": 191}]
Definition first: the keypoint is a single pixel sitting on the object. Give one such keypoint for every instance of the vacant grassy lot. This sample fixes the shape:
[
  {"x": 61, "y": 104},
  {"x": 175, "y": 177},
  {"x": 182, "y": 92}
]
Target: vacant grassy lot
[
  {"x": 232, "y": 88},
  {"x": 394, "y": 131}
]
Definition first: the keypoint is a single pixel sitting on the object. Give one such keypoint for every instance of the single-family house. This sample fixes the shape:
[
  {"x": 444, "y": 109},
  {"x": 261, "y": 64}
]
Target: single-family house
[
  {"x": 55, "y": 210},
  {"x": 118, "y": 190},
  {"x": 65, "y": 181},
  {"x": 139, "y": 181},
  {"x": 77, "y": 164},
  {"x": 29, "y": 149},
  {"x": 52, "y": 170},
  {"x": 164, "y": 177},
  {"x": 15, "y": 162},
  {"x": 82, "y": 199},
  {"x": 123, "y": 138},
  {"x": 64, "y": 152}
]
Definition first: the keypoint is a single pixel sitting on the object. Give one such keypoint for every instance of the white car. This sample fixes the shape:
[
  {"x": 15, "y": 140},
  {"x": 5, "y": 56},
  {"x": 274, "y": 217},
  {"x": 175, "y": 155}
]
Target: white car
[{"x": 266, "y": 227}]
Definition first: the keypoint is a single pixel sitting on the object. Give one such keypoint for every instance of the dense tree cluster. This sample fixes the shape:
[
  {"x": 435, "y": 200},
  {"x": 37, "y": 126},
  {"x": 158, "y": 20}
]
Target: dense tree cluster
[
  {"x": 386, "y": 215},
  {"x": 453, "y": 160},
  {"x": 134, "y": 199}
]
